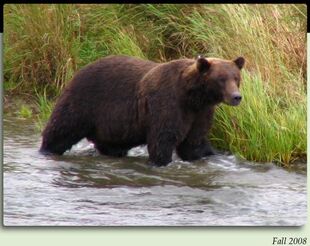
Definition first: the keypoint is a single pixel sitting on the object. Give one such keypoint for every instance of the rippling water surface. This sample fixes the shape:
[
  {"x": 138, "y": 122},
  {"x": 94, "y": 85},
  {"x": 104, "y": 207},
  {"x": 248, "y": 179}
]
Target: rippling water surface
[{"x": 83, "y": 188}]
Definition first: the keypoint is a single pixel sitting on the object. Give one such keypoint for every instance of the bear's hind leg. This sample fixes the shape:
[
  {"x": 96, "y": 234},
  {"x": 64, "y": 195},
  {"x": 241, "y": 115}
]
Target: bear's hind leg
[
  {"x": 58, "y": 144},
  {"x": 59, "y": 137}
]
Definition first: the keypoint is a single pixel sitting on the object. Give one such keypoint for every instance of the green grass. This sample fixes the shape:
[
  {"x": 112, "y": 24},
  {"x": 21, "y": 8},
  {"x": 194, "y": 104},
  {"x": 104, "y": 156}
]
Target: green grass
[
  {"x": 45, "y": 107},
  {"x": 40, "y": 45},
  {"x": 25, "y": 111},
  {"x": 45, "y": 44},
  {"x": 262, "y": 128}
]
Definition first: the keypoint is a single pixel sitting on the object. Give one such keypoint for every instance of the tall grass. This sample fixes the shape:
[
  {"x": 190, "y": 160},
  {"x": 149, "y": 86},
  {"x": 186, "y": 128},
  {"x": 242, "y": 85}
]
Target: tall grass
[
  {"x": 262, "y": 128},
  {"x": 45, "y": 44},
  {"x": 41, "y": 44}
]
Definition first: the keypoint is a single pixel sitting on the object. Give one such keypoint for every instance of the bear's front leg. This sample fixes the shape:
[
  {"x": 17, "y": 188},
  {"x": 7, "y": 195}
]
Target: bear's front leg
[
  {"x": 190, "y": 151},
  {"x": 196, "y": 144},
  {"x": 160, "y": 147},
  {"x": 164, "y": 124}
]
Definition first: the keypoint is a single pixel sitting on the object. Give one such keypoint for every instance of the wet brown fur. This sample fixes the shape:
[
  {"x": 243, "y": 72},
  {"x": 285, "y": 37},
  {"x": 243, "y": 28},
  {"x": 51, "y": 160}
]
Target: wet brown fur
[{"x": 120, "y": 102}]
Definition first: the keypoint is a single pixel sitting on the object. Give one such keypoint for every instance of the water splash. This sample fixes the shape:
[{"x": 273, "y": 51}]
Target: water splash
[{"x": 85, "y": 188}]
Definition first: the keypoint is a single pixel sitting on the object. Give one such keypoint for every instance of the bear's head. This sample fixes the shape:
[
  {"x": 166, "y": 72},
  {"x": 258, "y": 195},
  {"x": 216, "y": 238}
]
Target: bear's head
[{"x": 218, "y": 80}]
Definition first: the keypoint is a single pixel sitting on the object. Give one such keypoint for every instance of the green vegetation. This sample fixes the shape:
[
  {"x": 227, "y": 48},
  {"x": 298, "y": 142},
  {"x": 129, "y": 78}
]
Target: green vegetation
[
  {"x": 263, "y": 127},
  {"x": 25, "y": 111},
  {"x": 45, "y": 44},
  {"x": 45, "y": 107}
]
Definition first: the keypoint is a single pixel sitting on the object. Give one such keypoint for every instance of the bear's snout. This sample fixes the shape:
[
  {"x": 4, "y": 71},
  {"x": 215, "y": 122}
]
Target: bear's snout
[{"x": 235, "y": 99}]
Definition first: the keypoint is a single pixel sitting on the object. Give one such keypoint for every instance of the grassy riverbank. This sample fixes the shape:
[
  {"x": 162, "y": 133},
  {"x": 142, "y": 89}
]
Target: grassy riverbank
[{"x": 45, "y": 44}]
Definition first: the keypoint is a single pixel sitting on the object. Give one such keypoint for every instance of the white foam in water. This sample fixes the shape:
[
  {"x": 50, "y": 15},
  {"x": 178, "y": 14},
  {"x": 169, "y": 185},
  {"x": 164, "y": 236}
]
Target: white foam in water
[
  {"x": 138, "y": 151},
  {"x": 84, "y": 147},
  {"x": 226, "y": 162}
]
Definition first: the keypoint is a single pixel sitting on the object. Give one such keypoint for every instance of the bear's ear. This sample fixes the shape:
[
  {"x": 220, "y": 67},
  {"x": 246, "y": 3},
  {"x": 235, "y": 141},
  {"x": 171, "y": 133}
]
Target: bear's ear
[
  {"x": 202, "y": 64},
  {"x": 239, "y": 62}
]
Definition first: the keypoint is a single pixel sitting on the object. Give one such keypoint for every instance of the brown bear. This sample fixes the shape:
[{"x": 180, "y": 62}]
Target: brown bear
[{"x": 120, "y": 102}]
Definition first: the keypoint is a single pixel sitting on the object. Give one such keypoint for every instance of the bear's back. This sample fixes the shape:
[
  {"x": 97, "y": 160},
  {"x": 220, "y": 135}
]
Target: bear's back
[
  {"x": 109, "y": 74},
  {"x": 107, "y": 81}
]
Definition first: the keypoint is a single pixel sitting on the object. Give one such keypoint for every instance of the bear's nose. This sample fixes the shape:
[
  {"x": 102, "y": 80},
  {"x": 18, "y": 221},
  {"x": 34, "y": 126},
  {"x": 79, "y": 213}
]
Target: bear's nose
[{"x": 236, "y": 98}]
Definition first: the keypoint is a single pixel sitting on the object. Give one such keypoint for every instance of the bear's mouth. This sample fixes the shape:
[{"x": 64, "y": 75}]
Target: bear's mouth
[{"x": 233, "y": 101}]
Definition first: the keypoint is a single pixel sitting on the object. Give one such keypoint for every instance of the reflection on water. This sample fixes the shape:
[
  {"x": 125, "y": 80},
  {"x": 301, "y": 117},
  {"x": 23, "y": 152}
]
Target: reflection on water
[{"x": 84, "y": 188}]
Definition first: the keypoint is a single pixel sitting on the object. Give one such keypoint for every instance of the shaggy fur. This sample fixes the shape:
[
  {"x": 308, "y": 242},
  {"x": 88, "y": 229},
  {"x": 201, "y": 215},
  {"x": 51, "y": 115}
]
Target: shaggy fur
[{"x": 120, "y": 102}]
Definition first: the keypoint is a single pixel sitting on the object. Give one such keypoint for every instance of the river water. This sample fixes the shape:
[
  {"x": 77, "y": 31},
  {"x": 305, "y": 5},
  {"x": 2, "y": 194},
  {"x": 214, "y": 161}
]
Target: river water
[{"x": 83, "y": 188}]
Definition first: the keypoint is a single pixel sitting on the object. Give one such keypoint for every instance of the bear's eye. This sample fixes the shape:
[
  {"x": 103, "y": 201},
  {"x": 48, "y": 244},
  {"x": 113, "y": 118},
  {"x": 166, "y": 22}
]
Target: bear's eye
[
  {"x": 222, "y": 81},
  {"x": 237, "y": 80}
]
